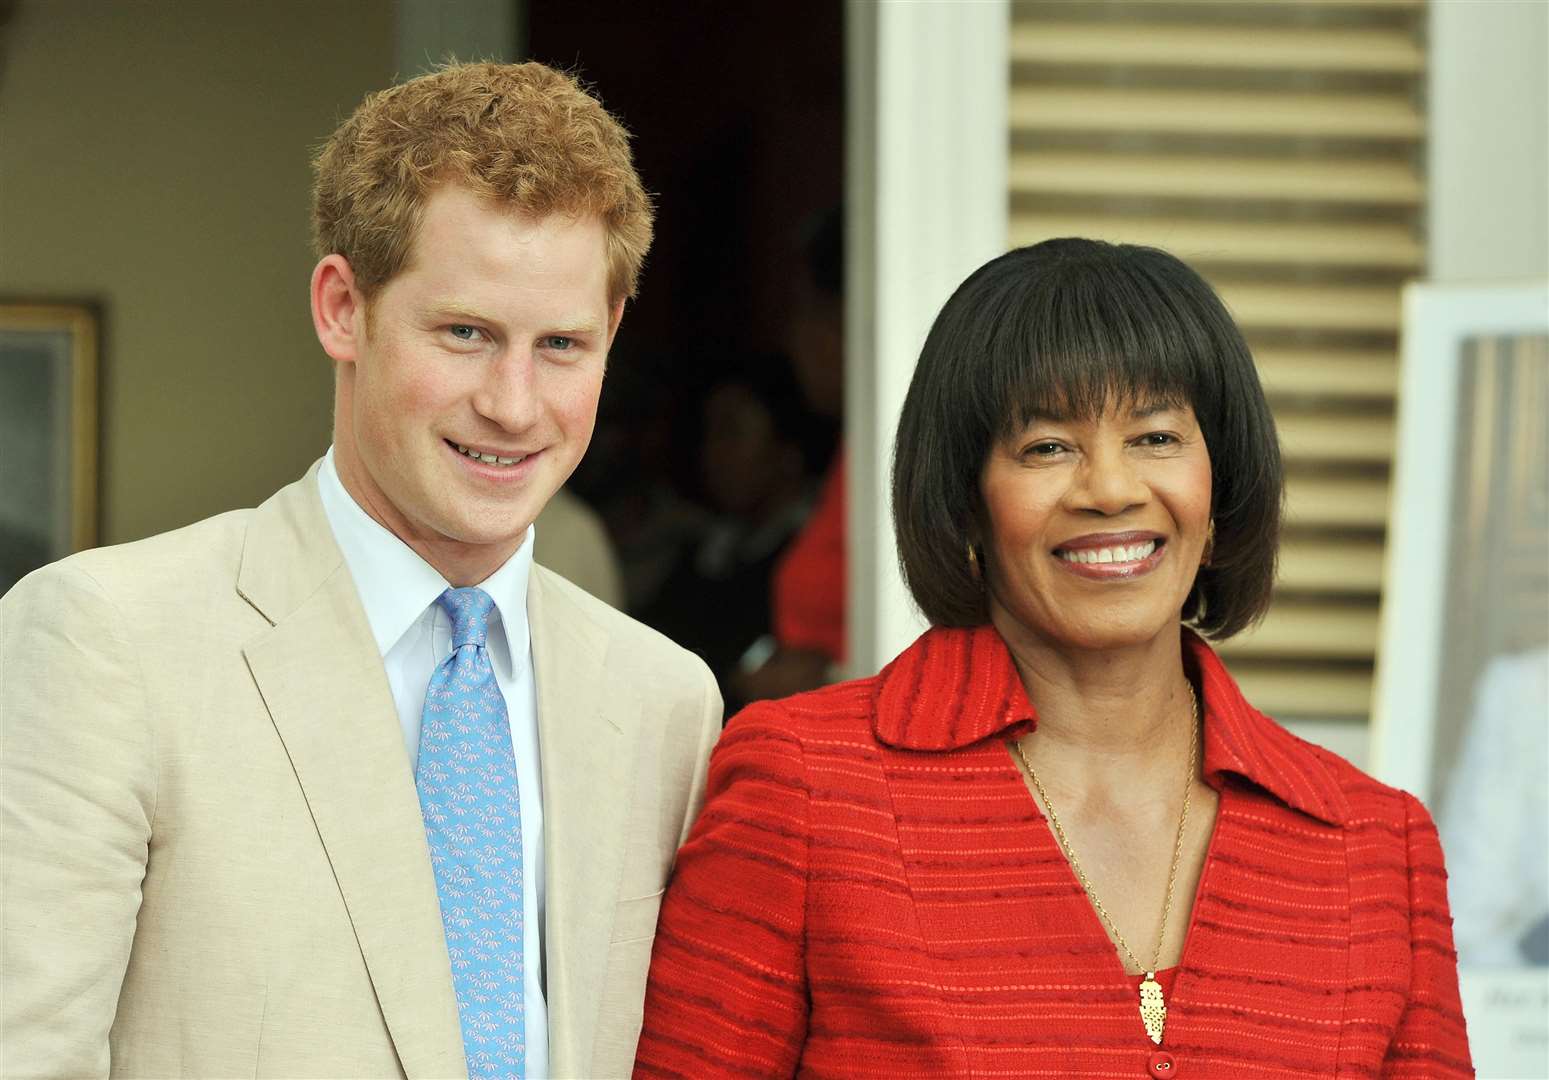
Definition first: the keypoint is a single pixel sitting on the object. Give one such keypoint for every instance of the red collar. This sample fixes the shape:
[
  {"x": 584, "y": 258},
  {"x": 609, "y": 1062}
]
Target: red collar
[{"x": 953, "y": 688}]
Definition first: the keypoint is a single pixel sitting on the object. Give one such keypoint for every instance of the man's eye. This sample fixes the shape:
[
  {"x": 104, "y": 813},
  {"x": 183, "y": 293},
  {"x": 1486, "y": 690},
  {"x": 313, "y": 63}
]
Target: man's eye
[
  {"x": 463, "y": 332},
  {"x": 558, "y": 342}
]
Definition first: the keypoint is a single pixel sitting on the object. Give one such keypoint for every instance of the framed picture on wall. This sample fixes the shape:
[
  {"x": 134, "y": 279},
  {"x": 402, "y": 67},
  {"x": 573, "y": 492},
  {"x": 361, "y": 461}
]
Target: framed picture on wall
[
  {"x": 1461, "y": 716},
  {"x": 48, "y": 434}
]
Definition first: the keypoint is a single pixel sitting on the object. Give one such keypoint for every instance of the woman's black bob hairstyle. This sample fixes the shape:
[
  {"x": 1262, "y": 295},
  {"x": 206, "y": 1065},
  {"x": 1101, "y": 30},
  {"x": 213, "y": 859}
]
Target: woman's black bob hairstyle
[{"x": 1064, "y": 328}]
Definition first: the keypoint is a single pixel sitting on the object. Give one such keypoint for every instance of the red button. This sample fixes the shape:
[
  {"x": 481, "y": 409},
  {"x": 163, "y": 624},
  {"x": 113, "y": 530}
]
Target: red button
[{"x": 1162, "y": 1065}]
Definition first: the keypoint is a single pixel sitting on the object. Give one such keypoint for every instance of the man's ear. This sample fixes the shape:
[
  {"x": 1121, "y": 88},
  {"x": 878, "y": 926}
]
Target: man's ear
[
  {"x": 615, "y": 316},
  {"x": 338, "y": 309}
]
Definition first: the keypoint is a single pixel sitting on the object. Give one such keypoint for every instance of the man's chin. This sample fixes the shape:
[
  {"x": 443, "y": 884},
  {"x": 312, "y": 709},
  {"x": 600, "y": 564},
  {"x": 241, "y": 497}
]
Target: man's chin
[{"x": 484, "y": 539}]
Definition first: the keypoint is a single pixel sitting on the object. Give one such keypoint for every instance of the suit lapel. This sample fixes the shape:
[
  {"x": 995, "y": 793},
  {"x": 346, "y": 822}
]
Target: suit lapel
[
  {"x": 587, "y": 729},
  {"x": 322, "y": 680}
]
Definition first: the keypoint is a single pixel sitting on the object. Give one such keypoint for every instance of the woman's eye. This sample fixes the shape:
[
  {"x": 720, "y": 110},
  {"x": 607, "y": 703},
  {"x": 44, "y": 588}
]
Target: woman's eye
[
  {"x": 1158, "y": 438},
  {"x": 1044, "y": 449}
]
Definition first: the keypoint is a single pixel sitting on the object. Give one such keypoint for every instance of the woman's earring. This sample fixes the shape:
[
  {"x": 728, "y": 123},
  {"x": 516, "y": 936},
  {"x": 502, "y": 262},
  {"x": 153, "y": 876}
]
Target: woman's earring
[
  {"x": 973, "y": 562},
  {"x": 1210, "y": 544}
]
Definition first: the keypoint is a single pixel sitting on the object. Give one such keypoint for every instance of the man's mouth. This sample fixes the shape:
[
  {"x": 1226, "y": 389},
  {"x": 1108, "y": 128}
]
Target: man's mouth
[{"x": 486, "y": 458}]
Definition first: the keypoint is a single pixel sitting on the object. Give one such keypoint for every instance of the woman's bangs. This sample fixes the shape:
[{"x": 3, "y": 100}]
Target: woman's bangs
[{"x": 1085, "y": 352}]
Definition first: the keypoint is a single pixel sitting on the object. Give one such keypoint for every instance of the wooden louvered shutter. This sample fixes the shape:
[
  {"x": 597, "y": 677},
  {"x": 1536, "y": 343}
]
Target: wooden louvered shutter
[{"x": 1275, "y": 146}]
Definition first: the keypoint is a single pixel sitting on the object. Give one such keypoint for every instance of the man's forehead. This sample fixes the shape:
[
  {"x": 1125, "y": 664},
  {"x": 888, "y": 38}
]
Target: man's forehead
[
  {"x": 465, "y": 229},
  {"x": 453, "y": 308}
]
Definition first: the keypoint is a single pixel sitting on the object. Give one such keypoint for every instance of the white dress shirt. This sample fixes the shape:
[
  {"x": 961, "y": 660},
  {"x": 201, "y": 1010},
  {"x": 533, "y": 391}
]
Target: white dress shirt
[{"x": 398, "y": 590}]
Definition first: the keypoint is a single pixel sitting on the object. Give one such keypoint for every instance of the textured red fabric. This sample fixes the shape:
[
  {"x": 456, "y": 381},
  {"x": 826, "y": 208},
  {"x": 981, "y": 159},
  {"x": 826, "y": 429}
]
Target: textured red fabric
[
  {"x": 871, "y": 891},
  {"x": 809, "y": 584}
]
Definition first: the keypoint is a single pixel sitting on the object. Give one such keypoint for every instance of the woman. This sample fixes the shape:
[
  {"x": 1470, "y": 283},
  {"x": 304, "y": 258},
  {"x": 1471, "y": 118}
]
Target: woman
[{"x": 1051, "y": 838}]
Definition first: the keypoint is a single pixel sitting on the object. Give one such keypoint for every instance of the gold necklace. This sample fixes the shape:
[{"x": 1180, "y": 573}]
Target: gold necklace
[{"x": 1153, "y": 1006}]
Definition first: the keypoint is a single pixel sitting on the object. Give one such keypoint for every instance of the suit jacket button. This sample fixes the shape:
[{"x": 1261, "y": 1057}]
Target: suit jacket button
[{"x": 1162, "y": 1065}]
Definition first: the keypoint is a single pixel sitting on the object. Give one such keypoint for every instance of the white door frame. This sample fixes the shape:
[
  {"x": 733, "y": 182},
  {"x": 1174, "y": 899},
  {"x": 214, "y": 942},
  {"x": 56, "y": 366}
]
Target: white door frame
[{"x": 927, "y": 140}]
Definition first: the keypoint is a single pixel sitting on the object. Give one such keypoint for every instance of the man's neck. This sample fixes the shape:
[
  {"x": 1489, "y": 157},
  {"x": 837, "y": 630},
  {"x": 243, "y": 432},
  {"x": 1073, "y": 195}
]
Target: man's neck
[{"x": 461, "y": 564}]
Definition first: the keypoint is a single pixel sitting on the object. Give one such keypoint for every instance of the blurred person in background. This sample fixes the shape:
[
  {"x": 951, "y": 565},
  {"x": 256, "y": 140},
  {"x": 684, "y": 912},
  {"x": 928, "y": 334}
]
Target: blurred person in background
[
  {"x": 570, "y": 539},
  {"x": 1495, "y": 817},
  {"x": 758, "y": 439},
  {"x": 810, "y": 584},
  {"x": 347, "y": 785},
  {"x": 628, "y": 477},
  {"x": 1051, "y": 837}
]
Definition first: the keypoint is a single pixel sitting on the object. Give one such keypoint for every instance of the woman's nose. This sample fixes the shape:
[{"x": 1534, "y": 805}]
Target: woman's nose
[{"x": 1108, "y": 483}]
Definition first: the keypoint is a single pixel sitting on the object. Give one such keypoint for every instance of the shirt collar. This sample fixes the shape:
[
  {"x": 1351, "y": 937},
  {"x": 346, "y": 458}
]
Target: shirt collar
[
  {"x": 396, "y": 585},
  {"x": 955, "y": 687}
]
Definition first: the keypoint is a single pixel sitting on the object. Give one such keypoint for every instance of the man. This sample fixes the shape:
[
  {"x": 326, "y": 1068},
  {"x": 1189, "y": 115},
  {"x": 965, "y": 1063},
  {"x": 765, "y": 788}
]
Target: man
[{"x": 346, "y": 785}]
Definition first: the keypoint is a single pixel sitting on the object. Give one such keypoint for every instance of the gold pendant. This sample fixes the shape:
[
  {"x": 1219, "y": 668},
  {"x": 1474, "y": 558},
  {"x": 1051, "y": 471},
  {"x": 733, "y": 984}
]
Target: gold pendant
[{"x": 1153, "y": 1007}]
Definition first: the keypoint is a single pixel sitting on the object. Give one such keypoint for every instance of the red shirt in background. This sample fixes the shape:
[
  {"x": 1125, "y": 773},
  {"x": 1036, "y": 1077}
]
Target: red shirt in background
[{"x": 809, "y": 583}]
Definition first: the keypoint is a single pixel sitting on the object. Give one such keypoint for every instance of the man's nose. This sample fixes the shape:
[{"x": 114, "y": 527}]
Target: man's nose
[{"x": 508, "y": 396}]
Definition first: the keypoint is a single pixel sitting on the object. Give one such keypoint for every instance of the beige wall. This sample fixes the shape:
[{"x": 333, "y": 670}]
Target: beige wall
[
  {"x": 1489, "y": 140},
  {"x": 154, "y": 159}
]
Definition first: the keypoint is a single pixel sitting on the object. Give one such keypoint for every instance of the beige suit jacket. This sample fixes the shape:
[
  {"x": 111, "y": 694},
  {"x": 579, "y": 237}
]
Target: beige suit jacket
[{"x": 213, "y": 860}]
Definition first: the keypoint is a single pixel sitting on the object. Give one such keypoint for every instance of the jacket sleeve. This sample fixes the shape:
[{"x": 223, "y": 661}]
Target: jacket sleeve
[
  {"x": 727, "y": 993},
  {"x": 1431, "y": 1040},
  {"x": 77, "y": 797},
  {"x": 712, "y": 713}
]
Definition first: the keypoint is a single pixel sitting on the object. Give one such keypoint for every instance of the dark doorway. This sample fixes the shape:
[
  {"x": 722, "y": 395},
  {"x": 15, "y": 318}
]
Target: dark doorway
[{"x": 737, "y": 116}]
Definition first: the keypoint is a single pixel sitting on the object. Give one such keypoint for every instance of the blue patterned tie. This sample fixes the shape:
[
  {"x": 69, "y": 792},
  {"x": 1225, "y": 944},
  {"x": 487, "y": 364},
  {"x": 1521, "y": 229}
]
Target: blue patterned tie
[{"x": 467, "y": 786}]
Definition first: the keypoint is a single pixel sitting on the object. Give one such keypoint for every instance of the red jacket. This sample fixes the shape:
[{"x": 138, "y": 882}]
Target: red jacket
[{"x": 871, "y": 891}]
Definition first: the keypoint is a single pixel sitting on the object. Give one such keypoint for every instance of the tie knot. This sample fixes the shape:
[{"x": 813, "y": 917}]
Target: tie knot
[{"x": 469, "y": 611}]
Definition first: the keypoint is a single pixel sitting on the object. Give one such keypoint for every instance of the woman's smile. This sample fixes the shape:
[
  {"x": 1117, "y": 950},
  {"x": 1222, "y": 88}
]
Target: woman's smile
[{"x": 1117, "y": 556}]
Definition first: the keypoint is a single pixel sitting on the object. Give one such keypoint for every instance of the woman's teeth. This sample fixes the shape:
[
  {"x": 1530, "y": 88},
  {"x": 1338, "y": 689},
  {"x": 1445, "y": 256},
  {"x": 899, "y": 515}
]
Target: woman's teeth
[
  {"x": 1121, "y": 554},
  {"x": 488, "y": 459}
]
